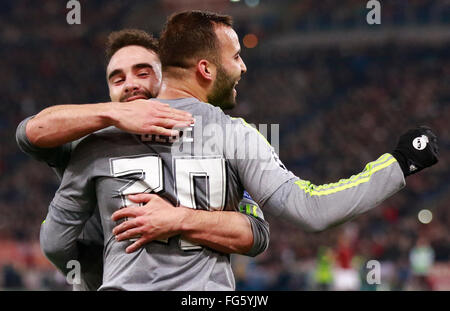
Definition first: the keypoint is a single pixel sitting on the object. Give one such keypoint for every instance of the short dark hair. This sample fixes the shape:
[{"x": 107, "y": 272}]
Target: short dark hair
[
  {"x": 122, "y": 38},
  {"x": 189, "y": 36}
]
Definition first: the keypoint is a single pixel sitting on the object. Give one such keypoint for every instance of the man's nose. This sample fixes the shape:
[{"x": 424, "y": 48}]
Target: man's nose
[
  {"x": 243, "y": 67},
  {"x": 130, "y": 86}
]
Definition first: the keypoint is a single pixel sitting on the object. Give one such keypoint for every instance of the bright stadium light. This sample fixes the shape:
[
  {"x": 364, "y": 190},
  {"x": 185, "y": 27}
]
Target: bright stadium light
[{"x": 425, "y": 216}]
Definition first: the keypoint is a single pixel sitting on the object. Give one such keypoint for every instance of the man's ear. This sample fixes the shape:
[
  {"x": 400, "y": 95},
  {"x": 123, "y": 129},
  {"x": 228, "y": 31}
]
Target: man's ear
[{"x": 206, "y": 69}]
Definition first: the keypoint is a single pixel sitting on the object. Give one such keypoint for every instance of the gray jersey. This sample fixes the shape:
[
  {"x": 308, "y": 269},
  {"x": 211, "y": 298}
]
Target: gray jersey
[
  {"x": 217, "y": 159},
  {"x": 107, "y": 166},
  {"x": 92, "y": 235},
  {"x": 88, "y": 252}
]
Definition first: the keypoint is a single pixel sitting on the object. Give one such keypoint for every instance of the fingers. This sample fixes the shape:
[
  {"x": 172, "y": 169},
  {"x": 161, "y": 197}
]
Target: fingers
[
  {"x": 165, "y": 120},
  {"x": 129, "y": 211},
  {"x": 433, "y": 145},
  {"x": 160, "y": 110},
  {"x": 127, "y": 231},
  {"x": 427, "y": 131},
  {"x": 129, "y": 234},
  {"x": 141, "y": 197},
  {"x": 171, "y": 123},
  {"x": 133, "y": 211},
  {"x": 175, "y": 114},
  {"x": 129, "y": 224},
  {"x": 137, "y": 245},
  {"x": 159, "y": 130}
]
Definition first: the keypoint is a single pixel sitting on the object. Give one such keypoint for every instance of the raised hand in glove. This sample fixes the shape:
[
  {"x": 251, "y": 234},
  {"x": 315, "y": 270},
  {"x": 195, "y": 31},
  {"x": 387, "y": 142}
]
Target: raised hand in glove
[{"x": 416, "y": 150}]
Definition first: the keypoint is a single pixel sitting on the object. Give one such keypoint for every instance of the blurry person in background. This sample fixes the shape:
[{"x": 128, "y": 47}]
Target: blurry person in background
[
  {"x": 323, "y": 275},
  {"x": 345, "y": 276},
  {"x": 12, "y": 279},
  {"x": 421, "y": 258}
]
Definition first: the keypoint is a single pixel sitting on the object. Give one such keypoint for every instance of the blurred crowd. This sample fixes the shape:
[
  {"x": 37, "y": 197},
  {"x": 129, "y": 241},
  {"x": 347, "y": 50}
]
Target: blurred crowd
[
  {"x": 337, "y": 110},
  {"x": 308, "y": 15}
]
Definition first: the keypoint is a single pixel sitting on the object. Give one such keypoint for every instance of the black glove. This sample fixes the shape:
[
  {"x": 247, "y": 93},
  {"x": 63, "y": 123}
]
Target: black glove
[{"x": 416, "y": 150}]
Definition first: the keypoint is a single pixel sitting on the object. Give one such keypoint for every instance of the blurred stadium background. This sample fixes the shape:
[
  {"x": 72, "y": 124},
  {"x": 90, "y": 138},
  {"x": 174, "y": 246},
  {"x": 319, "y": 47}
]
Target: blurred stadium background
[{"x": 341, "y": 90}]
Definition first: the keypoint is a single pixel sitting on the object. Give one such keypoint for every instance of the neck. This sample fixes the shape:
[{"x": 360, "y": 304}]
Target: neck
[{"x": 173, "y": 88}]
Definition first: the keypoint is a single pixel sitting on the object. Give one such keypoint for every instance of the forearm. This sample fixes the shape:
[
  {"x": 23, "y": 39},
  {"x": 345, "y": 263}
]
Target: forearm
[
  {"x": 57, "y": 125},
  {"x": 245, "y": 232},
  {"x": 316, "y": 208},
  {"x": 224, "y": 231}
]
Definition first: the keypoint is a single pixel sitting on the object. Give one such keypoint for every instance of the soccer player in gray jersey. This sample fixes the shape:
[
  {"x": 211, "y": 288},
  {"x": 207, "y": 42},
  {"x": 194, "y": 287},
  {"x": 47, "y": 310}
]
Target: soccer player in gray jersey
[
  {"x": 212, "y": 163},
  {"x": 133, "y": 74}
]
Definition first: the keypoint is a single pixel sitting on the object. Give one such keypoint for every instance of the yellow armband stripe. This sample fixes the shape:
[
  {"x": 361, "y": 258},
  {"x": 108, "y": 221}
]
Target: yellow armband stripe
[
  {"x": 382, "y": 162},
  {"x": 248, "y": 209}
]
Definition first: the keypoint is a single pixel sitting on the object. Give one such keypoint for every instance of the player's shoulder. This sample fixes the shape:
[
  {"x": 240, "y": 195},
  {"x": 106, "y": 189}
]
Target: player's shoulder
[
  {"x": 208, "y": 110},
  {"x": 218, "y": 113},
  {"x": 209, "y": 113}
]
